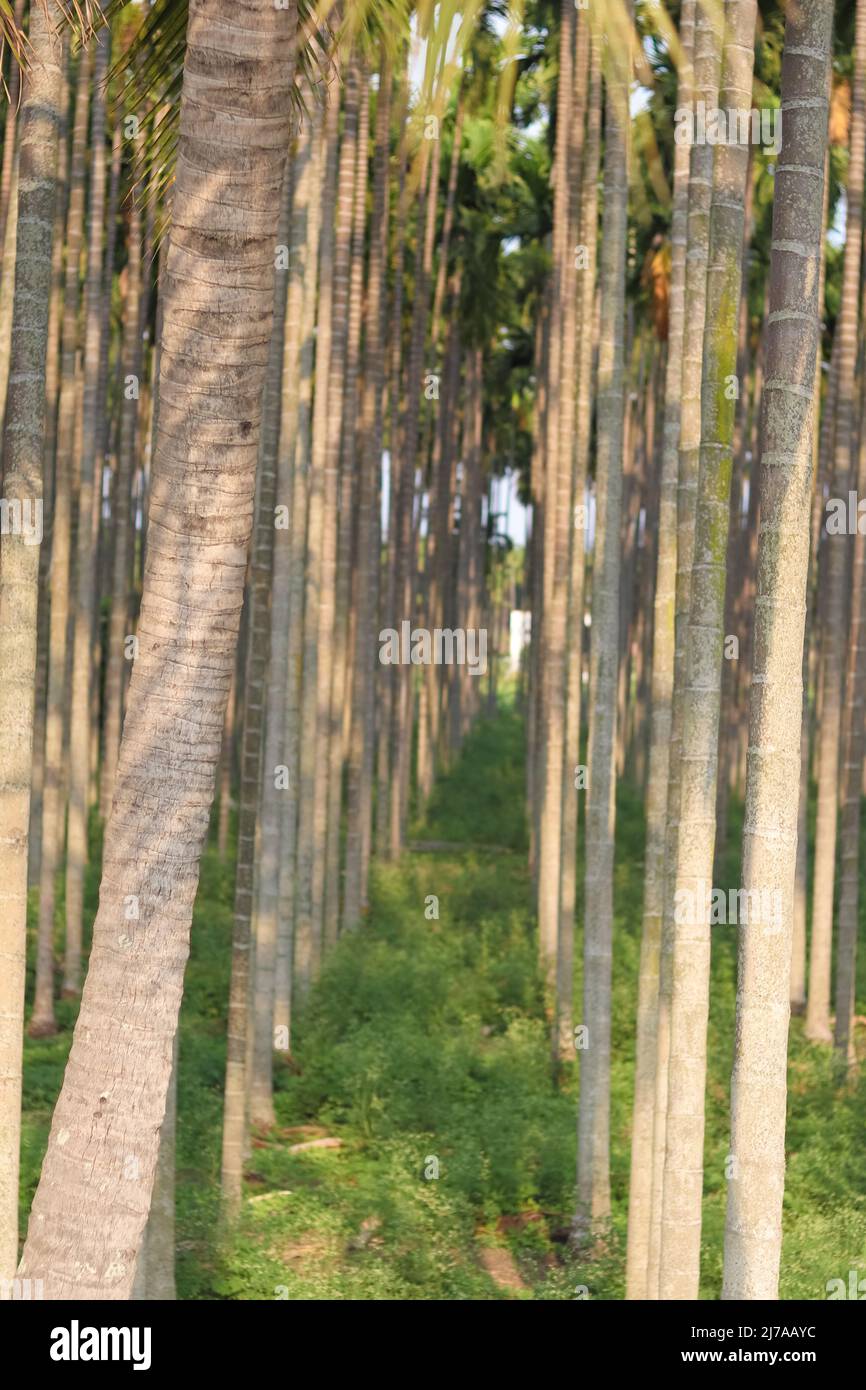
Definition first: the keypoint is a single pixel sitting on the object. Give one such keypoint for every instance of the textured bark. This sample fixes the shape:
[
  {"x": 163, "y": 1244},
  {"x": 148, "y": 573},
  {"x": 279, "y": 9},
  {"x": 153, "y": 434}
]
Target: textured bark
[
  {"x": 23, "y": 454},
  {"x": 833, "y": 629},
  {"x": 436, "y": 542},
  {"x": 241, "y": 1033},
  {"x": 351, "y": 219},
  {"x": 52, "y": 380},
  {"x": 664, "y": 647},
  {"x": 225, "y": 773},
  {"x": 366, "y": 647},
  {"x": 558, "y": 522},
  {"x": 683, "y": 1174},
  {"x": 318, "y": 605},
  {"x": 574, "y": 436},
  {"x": 7, "y": 295},
  {"x": 121, "y": 513},
  {"x": 593, "y": 1142},
  {"x": 706, "y": 89},
  {"x": 852, "y": 783},
  {"x": 85, "y": 559},
  {"x": 295, "y": 443},
  {"x": 265, "y": 922},
  {"x": 10, "y": 132},
  {"x": 753, "y": 1233},
  {"x": 386, "y": 680},
  {"x": 154, "y": 1271},
  {"x": 404, "y": 487},
  {"x": 53, "y": 806},
  {"x": 93, "y": 1196}
]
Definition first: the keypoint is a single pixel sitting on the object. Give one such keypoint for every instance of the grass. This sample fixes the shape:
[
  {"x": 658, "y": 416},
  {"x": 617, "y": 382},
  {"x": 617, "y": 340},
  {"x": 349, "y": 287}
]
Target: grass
[{"x": 424, "y": 1050}]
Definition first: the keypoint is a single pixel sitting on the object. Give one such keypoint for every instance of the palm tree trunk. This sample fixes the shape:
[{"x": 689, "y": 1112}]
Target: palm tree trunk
[
  {"x": 53, "y": 804},
  {"x": 295, "y": 442},
  {"x": 254, "y": 770},
  {"x": 121, "y": 517},
  {"x": 89, "y": 1210},
  {"x": 52, "y": 378},
  {"x": 89, "y": 479},
  {"x": 312, "y": 827},
  {"x": 664, "y": 647},
  {"x": 363, "y": 710},
  {"x": 557, "y": 519},
  {"x": 832, "y": 634},
  {"x": 265, "y": 923},
  {"x": 593, "y": 1160},
  {"x": 753, "y": 1232},
  {"x": 706, "y": 89},
  {"x": 852, "y": 783},
  {"x": 683, "y": 1174},
  {"x": 575, "y": 424},
  {"x": 344, "y": 378},
  {"x": 23, "y": 452}
]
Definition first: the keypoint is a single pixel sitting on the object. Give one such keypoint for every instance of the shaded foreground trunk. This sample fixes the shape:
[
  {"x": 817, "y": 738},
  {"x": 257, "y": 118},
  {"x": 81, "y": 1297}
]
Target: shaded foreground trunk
[{"x": 94, "y": 1193}]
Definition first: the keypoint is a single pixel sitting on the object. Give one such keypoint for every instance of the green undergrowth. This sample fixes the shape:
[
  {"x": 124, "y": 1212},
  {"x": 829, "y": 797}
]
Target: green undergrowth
[{"x": 423, "y": 1050}]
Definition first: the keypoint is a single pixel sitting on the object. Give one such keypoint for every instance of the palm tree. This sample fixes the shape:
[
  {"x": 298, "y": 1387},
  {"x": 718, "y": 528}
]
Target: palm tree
[
  {"x": 265, "y": 924},
  {"x": 557, "y": 509},
  {"x": 53, "y": 811},
  {"x": 245, "y": 953},
  {"x": 575, "y": 425},
  {"x": 593, "y": 1160},
  {"x": 363, "y": 690},
  {"x": 758, "y": 1086},
  {"x": 706, "y": 88},
  {"x": 295, "y": 445},
  {"x": 23, "y": 458},
  {"x": 219, "y": 293},
  {"x": 683, "y": 1174},
  {"x": 832, "y": 665},
  {"x": 342, "y": 384},
  {"x": 315, "y": 703},
  {"x": 122, "y": 523},
  {"x": 664, "y": 646},
  {"x": 89, "y": 484}
]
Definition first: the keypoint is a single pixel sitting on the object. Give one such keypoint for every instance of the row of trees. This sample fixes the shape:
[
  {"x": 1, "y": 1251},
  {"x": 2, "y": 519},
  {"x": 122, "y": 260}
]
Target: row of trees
[
  {"x": 235, "y": 381},
  {"x": 713, "y": 607},
  {"x": 286, "y": 290}
]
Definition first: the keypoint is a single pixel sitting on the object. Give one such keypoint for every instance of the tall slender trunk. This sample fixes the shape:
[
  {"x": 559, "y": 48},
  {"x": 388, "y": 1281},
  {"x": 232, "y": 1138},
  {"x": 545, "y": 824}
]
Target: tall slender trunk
[
  {"x": 832, "y": 633},
  {"x": 91, "y": 1204},
  {"x": 52, "y": 380},
  {"x": 89, "y": 480},
  {"x": 753, "y": 1232},
  {"x": 365, "y": 653},
  {"x": 706, "y": 89},
  {"x": 593, "y": 1159},
  {"x": 23, "y": 454},
  {"x": 121, "y": 515},
  {"x": 315, "y": 705},
  {"x": 253, "y": 769},
  {"x": 53, "y": 804},
  {"x": 852, "y": 781},
  {"x": 664, "y": 648},
  {"x": 344, "y": 380},
  {"x": 575, "y": 423},
  {"x": 387, "y": 674},
  {"x": 265, "y": 923},
  {"x": 683, "y": 1173},
  {"x": 295, "y": 441},
  {"x": 557, "y": 519}
]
